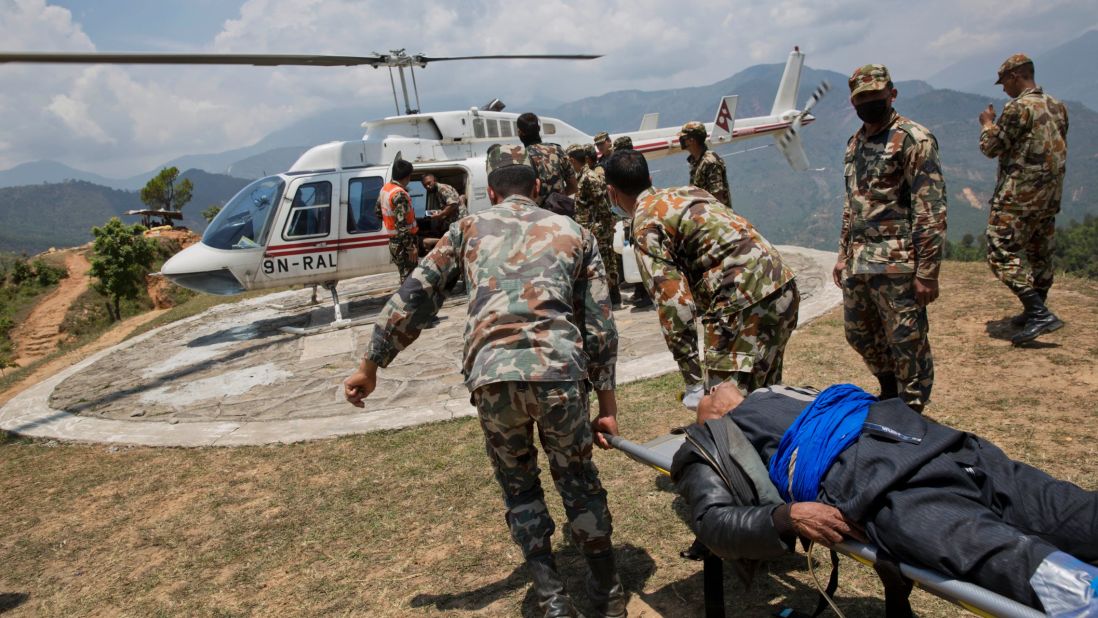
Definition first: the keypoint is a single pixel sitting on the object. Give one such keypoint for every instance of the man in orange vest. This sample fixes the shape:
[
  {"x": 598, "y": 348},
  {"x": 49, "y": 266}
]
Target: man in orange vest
[{"x": 394, "y": 208}]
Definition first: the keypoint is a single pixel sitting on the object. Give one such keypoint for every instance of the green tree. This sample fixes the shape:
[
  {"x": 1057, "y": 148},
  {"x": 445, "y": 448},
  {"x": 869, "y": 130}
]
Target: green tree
[
  {"x": 122, "y": 257},
  {"x": 162, "y": 192},
  {"x": 211, "y": 212}
]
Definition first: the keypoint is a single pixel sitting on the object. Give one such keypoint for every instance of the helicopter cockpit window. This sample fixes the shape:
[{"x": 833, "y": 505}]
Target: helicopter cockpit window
[
  {"x": 478, "y": 127},
  {"x": 310, "y": 212},
  {"x": 361, "y": 197},
  {"x": 505, "y": 128},
  {"x": 242, "y": 223},
  {"x": 493, "y": 127}
]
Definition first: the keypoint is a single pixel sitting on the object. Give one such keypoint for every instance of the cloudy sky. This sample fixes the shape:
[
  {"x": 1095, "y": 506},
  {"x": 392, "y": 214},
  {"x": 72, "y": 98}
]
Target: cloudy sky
[{"x": 121, "y": 121}]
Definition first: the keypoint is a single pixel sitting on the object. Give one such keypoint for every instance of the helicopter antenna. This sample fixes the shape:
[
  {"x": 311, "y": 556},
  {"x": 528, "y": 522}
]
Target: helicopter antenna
[
  {"x": 392, "y": 84},
  {"x": 415, "y": 88}
]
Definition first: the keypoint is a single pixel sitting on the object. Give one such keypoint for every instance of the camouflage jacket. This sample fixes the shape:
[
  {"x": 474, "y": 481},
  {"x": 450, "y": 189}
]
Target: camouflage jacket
[
  {"x": 443, "y": 196},
  {"x": 593, "y": 205},
  {"x": 539, "y": 306},
  {"x": 1030, "y": 139},
  {"x": 402, "y": 203},
  {"x": 697, "y": 255},
  {"x": 894, "y": 217},
  {"x": 708, "y": 172},
  {"x": 552, "y": 167}
]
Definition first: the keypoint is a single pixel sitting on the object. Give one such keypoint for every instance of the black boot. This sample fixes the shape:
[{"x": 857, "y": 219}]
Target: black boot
[
  {"x": 548, "y": 588},
  {"x": 1041, "y": 320},
  {"x": 888, "y": 386},
  {"x": 615, "y": 296},
  {"x": 604, "y": 587},
  {"x": 1023, "y": 317}
]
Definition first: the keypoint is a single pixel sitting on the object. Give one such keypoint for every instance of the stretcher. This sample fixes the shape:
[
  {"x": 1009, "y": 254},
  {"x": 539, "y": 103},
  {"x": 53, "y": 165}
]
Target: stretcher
[{"x": 658, "y": 454}]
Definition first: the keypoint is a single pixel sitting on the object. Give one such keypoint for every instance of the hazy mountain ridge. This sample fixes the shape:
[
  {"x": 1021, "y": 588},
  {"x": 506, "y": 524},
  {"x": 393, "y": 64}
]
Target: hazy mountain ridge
[{"x": 36, "y": 217}]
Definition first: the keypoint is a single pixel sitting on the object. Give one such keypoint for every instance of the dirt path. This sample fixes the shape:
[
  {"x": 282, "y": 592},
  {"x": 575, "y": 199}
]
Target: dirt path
[
  {"x": 113, "y": 336},
  {"x": 40, "y": 333}
]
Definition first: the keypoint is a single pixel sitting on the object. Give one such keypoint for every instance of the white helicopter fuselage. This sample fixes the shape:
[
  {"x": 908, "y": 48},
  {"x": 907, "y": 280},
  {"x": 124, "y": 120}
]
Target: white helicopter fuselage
[{"x": 316, "y": 223}]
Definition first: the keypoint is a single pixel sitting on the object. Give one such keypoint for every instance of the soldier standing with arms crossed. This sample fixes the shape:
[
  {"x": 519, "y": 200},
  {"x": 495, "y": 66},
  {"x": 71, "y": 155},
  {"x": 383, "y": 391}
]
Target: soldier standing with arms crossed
[
  {"x": 890, "y": 246},
  {"x": 707, "y": 169},
  {"x": 539, "y": 330},
  {"x": 394, "y": 208},
  {"x": 593, "y": 213},
  {"x": 1030, "y": 140}
]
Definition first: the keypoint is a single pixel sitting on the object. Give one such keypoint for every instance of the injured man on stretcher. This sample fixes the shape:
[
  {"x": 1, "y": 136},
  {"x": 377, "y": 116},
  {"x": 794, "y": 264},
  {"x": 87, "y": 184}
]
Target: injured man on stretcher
[{"x": 840, "y": 463}]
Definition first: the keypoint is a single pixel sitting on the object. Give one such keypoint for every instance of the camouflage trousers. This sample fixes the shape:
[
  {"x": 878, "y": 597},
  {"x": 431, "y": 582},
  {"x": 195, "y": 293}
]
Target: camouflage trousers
[
  {"x": 749, "y": 346},
  {"x": 890, "y": 330},
  {"x": 609, "y": 257},
  {"x": 405, "y": 254},
  {"x": 1019, "y": 247},
  {"x": 508, "y": 413}
]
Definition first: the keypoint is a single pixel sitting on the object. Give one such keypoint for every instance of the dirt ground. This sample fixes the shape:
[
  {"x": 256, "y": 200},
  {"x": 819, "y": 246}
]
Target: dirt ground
[
  {"x": 410, "y": 522},
  {"x": 40, "y": 333}
]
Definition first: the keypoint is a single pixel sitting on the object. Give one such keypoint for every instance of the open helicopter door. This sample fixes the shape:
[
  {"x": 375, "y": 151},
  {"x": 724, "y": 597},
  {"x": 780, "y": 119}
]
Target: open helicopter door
[{"x": 302, "y": 246}]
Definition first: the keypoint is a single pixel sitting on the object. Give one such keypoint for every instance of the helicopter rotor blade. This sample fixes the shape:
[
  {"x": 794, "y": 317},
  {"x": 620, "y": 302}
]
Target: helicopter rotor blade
[
  {"x": 817, "y": 94},
  {"x": 426, "y": 59},
  {"x": 187, "y": 58}
]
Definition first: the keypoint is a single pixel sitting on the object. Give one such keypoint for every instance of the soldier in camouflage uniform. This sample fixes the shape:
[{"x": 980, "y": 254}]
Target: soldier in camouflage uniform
[
  {"x": 593, "y": 213},
  {"x": 1030, "y": 140},
  {"x": 699, "y": 259},
  {"x": 707, "y": 169},
  {"x": 539, "y": 330},
  {"x": 394, "y": 210},
  {"x": 443, "y": 199},
  {"x": 890, "y": 246},
  {"x": 603, "y": 145},
  {"x": 623, "y": 143},
  {"x": 549, "y": 160}
]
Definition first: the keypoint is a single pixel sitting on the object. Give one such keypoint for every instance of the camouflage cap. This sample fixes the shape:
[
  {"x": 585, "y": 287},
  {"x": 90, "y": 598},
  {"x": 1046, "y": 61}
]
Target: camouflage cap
[
  {"x": 869, "y": 78},
  {"x": 501, "y": 156},
  {"x": 590, "y": 151},
  {"x": 601, "y": 136},
  {"x": 623, "y": 143},
  {"x": 1015, "y": 61},
  {"x": 694, "y": 129},
  {"x": 576, "y": 151}
]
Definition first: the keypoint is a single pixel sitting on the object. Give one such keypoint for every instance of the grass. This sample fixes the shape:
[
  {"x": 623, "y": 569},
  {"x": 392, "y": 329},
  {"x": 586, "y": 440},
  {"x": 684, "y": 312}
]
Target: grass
[{"x": 410, "y": 522}]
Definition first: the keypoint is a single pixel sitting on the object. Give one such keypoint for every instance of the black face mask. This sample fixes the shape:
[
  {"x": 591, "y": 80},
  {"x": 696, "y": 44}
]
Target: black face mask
[{"x": 873, "y": 112}]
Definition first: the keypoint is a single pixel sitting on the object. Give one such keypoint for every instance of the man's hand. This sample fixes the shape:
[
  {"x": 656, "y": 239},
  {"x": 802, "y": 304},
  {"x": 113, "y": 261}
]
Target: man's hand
[
  {"x": 926, "y": 291},
  {"x": 607, "y": 420},
  {"x": 837, "y": 273},
  {"x": 360, "y": 384},
  {"x": 987, "y": 117},
  {"x": 823, "y": 524}
]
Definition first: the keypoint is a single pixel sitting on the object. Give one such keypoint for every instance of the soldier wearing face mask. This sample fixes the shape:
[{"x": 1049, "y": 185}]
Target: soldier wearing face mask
[{"x": 890, "y": 246}]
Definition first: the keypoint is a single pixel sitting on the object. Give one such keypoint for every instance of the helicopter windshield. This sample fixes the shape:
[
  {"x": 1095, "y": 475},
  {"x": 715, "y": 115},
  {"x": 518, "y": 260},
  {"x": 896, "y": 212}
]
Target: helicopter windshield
[{"x": 242, "y": 223}]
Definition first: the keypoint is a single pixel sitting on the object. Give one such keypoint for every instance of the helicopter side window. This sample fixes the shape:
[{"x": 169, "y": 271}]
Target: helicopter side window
[
  {"x": 310, "y": 212},
  {"x": 549, "y": 128},
  {"x": 361, "y": 197},
  {"x": 478, "y": 127},
  {"x": 493, "y": 127},
  {"x": 505, "y": 128}
]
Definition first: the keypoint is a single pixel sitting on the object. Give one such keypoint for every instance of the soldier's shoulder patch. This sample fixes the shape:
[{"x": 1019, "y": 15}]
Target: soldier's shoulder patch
[{"x": 917, "y": 131}]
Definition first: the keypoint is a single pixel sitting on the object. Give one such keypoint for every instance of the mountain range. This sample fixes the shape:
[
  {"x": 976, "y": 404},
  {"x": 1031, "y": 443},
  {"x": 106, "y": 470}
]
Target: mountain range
[{"x": 790, "y": 207}]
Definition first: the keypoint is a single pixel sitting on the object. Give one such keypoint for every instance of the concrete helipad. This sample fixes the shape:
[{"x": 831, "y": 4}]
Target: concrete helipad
[{"x": 229, "y": 376}]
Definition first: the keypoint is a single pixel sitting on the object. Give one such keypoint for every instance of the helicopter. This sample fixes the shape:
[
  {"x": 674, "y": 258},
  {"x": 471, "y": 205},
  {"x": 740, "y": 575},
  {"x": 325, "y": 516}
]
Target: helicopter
[{"x": 315, "y": 223}]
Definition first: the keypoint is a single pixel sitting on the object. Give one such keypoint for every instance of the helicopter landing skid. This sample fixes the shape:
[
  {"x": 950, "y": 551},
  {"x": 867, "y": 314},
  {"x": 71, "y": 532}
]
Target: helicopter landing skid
[{"x": 338, "y": 323}]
